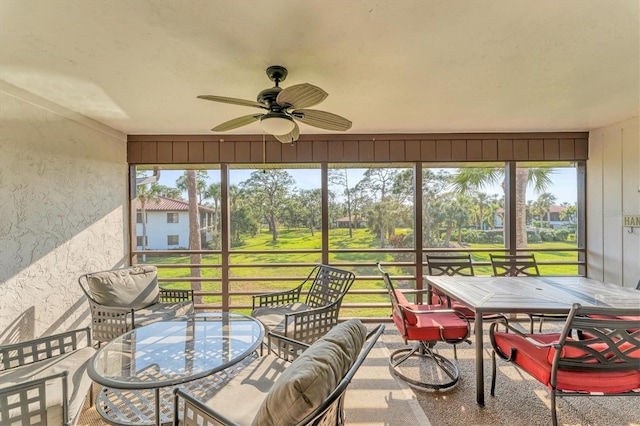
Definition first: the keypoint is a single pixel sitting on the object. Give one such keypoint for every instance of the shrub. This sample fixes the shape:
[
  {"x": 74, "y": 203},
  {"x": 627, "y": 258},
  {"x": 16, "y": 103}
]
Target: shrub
[
  {"x": 532, "y": 237},
  {"x": 495, "y": 236},
  {"x": 561, "y": 235},
  {"x": 547, "y": 235}
]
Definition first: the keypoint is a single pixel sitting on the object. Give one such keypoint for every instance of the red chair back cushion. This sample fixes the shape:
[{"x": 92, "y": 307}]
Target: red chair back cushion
[{"x": 537, "y": 362}]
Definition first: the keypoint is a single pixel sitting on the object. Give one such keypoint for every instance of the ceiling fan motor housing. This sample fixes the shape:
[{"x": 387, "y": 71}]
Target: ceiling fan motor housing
[{"x": 268, "y": 97}]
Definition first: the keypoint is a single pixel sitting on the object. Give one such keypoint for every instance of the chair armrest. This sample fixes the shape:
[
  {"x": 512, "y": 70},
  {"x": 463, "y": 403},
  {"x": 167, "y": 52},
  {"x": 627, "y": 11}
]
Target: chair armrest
[
  {"x": 172, "y": 296},
  {"x": 277, "y": 298},
  {"x": 308, "y": 325},
  {"x": 284, "y": 347},
  {"x": 510, "y": 327},
  {"x": 32, "y": 398},
  {"x": 30, "y": 351},
  {"x": 196, "y": 413}
]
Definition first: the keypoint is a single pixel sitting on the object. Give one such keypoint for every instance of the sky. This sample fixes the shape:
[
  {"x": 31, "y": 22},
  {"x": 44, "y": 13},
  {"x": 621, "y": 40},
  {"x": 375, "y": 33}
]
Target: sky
[{"x": 564, "y": 185}]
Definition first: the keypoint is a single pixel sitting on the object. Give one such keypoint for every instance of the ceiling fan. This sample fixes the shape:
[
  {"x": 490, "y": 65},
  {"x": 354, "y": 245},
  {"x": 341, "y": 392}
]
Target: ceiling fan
[{"x": 282, "y": 107}]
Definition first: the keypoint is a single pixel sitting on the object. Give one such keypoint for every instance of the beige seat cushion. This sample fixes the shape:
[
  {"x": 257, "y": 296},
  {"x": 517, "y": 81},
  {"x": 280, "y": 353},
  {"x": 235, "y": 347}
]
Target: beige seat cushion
[
  {"x": 273, "y": 317},
  {"x": 309, "y": 380},
  {"x": 135, "y": 287},
  {"x": 79, "y": 383},
  {"x": 240, "y": 399},
  {"x": 162, "y": 311}
]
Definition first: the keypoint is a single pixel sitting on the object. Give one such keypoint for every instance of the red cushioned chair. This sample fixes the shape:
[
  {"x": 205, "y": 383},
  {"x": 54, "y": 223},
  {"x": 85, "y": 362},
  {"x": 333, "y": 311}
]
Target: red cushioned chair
[
  {"x": 606, "y": 362},
  {"x": 426, "y": 325}
]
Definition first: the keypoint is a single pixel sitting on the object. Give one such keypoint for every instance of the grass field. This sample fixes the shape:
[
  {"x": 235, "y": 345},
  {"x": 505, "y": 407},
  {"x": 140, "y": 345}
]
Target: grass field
[{"x": 363, "y": 265}]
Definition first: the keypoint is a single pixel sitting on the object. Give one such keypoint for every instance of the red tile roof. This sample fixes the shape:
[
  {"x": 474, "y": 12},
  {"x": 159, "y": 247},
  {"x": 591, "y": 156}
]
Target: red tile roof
[{"x": 167, "y": 204}]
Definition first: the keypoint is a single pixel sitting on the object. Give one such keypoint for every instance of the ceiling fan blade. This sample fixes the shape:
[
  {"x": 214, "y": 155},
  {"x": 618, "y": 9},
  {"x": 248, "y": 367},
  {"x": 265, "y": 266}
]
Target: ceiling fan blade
[
  {"x": 236, "y": 122},
  {"x": 301, "y": 96},
  {"x": 322, "y": 119},
  {"x": 234, "y": 101},
  {"x": 290, "y": 137}
]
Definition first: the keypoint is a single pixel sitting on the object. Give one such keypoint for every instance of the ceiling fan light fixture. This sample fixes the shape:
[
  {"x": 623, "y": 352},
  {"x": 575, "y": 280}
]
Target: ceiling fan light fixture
[{"x": 277, "y": 123}]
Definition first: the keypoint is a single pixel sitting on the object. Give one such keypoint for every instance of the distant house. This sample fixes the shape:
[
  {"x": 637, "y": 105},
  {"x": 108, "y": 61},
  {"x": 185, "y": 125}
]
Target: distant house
[
  {"x": 357, "y": 222},
  {"x": 168, "y": 224},
  {"x": 553, "y": 217}
]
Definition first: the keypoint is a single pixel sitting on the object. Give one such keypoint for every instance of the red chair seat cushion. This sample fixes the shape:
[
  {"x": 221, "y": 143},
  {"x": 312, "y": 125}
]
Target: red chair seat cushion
[
  {"x": 439, "y": 298},
  {"x": 427, "y": 326},
  {"x": 537, "y": 362}
]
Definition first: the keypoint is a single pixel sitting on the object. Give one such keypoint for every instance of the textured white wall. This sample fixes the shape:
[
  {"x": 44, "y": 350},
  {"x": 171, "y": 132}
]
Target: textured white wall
[
  {"x": 613, "y": 190},
  {"x": 63, "y": 204}
]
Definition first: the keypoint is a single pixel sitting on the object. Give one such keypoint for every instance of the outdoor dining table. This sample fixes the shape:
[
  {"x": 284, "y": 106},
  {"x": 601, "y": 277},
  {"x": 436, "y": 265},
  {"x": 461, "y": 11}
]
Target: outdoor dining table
[
  {"x": 512, "y": 295},
  {"x": 139, "y": 369}
]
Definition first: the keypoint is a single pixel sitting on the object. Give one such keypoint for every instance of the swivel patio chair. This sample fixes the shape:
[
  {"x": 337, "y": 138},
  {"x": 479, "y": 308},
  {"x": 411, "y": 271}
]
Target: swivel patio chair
[
  {"x": 426, "y": 325},
  {"x": 606, "y": 362},
  {"x": 285, "y": 313},
  {"x": 521, "y": 265}
]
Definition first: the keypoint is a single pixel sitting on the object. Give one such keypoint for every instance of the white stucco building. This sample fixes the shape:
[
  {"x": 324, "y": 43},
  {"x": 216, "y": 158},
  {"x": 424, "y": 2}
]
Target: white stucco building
[{"x": 167, "y": 224}]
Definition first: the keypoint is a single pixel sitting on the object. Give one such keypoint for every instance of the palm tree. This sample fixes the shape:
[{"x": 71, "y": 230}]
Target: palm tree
[
  {"x": 544, "y": 203},
  {"x": 481, "y": 200},
  {"x": 466, "y": 180},
  {"x": 195, "y": 242},
  {"x": 214, "y": 192},
  {"x": 145, "y": 194}
]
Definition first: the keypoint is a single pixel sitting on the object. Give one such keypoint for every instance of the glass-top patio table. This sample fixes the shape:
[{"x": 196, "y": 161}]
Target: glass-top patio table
[
  {"x": 139, "y": 369},
  {"x": 546, "y": 294}
]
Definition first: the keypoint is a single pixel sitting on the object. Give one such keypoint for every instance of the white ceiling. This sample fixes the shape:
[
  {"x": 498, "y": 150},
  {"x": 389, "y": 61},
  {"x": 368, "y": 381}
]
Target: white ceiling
[{"x": 388, "y": 66}]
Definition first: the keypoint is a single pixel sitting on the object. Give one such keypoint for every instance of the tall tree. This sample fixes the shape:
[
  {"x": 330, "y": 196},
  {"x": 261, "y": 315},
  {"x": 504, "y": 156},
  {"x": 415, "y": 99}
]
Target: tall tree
[
  {"x": 214, "y": 193},
  {"x": 378, "y": 183},
  {"x": 340, "y": 178},
  {"x": 168, "y": 192},
  {"x": 311, "y": 207},
  {"x": 433, "y": 186},
  {"x": 268, "y": 191},
  {"x": 481, "y": 203},
  {"x": 200, "y": 177},
  {"x": 467, "y": 180},
  {"x": 543, "y": 205},
  {"x": 569, "y": 213},
  {"x": 195, "y": 242},
  {"x": 146, "y": 193}
]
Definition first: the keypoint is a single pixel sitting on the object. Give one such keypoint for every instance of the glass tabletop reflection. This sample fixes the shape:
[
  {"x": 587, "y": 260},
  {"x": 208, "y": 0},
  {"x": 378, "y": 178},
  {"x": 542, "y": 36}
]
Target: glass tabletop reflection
[{"x": 170, "y": 352}]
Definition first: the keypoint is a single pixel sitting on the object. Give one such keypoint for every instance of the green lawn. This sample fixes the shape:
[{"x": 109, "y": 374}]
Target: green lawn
[{"x": 298, "y": 239}]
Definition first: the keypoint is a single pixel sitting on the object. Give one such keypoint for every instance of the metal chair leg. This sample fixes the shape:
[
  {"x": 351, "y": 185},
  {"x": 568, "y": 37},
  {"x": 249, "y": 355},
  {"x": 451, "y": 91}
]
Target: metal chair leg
[
  {"x": 493, "y": 373},
  {"x": 424, "y": 354}
]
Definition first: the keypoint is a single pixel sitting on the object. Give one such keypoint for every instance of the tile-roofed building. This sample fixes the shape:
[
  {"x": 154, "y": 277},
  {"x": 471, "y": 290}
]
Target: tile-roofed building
[{"x": 167, "y": 224}]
